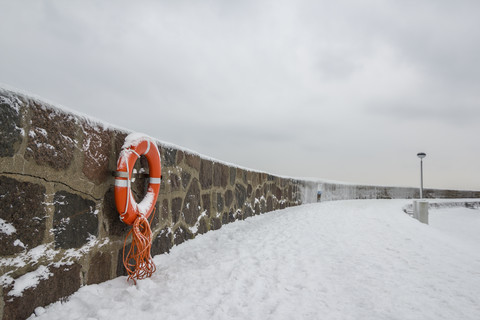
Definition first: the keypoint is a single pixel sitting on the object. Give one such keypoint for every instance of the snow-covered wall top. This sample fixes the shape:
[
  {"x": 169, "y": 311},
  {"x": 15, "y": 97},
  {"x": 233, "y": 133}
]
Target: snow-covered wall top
[{"x": 59, "y": 227}]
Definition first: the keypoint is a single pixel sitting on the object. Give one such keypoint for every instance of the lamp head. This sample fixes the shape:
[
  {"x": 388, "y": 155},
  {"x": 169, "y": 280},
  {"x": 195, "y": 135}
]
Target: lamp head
[{"x": 421, "y": 155}]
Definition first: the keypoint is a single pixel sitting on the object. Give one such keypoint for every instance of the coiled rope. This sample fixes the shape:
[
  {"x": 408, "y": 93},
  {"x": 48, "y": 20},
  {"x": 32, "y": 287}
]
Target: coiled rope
[{"x": 138, "y": 261}]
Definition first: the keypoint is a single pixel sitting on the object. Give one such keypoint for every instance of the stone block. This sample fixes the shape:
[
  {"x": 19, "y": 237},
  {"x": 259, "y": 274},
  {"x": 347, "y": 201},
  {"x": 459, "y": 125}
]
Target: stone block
[
  {"x": 220, "y": 175},
  {"x": 228, "y": 198},
  {"x": 96, "y": 146},
  {"x": 10, "y": 128},
  {"x": 23, "y": 212},
  {"x": 62, "y": 282},
  {"x": 220, "y": 202},
  {"x": 164, "y": 210},
  {"x": 206, "y": 174},
  {"x": 193, "y": 161},
  {"x": 185, "y": 179},
  {"x": 278, "y": 193},
  {"x": 269, "y": 204},
  {"x": 175, "y": 182},
  {"x": 119, "y": 141},
  {"x": 249, "y": 190},
  {"x": 240, "y": 195},
  {"x": 169, "y": 156},
  {"x": 75, "y": 220},
  {"x": 176, "y": 209},
  {"x": 51, "y": 140},
  {"x": 206, "y": 204},
  {"x": 191, "y": 203},
  {"x": 233, "y": 175},
  {"x": 100, "y": 266},
  {"x": 112, "y": 223},
  {"x": 180, "y": 157},
  {"x": 203, "y": 226},
  {"x": 162, "y": 242},
  {"x": 215, "y": 223},
  {"x": 182, "y": 234}
]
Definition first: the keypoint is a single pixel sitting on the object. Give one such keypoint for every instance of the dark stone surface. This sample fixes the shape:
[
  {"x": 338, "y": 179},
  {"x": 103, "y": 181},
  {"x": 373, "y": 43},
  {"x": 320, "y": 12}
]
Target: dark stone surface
[
  {"x": 180, "y": 157},
  {"x": 100, "y": 266},
  {"x": 175, "y": 182},
  {"x": 64, "y": 281},
  {"x": 120, "y": 267},
  {"x": 96, "y": 146},
  {"x": 162, "y": 242},
  {"x": 233, "y": 175},
  {"x": 22, "y": 206},
  {"x": 257, "y": 208},
  {"x": 219, "y": 202},
  {"x": 203, "y": 227},
  {"x": 225, "y": 218},
  {"x": 258, "y": 194},
  {"x": 249, "y": 190},
  {"x": 206, "y": 175},
  {"x": 206, "y": 204},
  {"x": 193, "y": 161},
  {"x": 241, "y": 174},
  {"x": 176, "y": 209},
  {"x": 74, "y": 221},
  {"x": 278, "y": 193},
  {"x": 269, "y": 204},
  {"x": 169, "y": 155},
  {"x": 220, "y": 175},
  {"x": 191, "y": 204},
  {"x": 217, "y": 174},
  {"x": 228, "y": 198},
  {"x": 51, "y": 141},
  {"x": 119, "y": 141},
  {"x": 185, "y": 179},
  {"x": 215, "y": 223},
  {"x": 240, "y": 195},
  {"x": 248, "y": 212},
  {"x": 10, "y": 132},
  {"x": 112, "y": 223},
  {"x": 164, "y": 210},
  {"x": 182, "y": 234},
  {"x": 232, "y": 216}
]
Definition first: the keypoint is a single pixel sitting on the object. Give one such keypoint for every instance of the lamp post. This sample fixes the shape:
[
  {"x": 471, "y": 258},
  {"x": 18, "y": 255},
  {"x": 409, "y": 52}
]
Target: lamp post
[{"x": 421, "y": 155}]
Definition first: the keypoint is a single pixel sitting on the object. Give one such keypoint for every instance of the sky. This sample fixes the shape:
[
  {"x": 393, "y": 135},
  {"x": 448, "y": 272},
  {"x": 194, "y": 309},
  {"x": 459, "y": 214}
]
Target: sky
[{"x": 339, "y": 90}]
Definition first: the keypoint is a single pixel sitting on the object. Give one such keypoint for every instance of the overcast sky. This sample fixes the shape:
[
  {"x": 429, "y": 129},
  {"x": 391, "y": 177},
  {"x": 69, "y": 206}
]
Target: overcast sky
[{"x": 343, "y": 90}]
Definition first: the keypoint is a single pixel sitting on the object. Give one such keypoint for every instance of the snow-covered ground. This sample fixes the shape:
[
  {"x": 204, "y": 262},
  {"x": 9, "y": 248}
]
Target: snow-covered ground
[{"x": 363, "y": 259}]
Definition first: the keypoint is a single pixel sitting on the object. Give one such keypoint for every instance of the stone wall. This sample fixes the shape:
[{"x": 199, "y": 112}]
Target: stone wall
[
  {"x": 341, "y": 191},
  {"x": 59, "y": 227}
]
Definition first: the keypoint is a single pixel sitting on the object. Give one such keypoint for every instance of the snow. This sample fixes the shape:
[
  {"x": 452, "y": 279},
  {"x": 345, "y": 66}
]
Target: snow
[
  {"x": 29, "y": 280},
  {"x": 7, "y": 228},
  {"x": 452, "y": 221},
  {"x": 362, "y": 259}
]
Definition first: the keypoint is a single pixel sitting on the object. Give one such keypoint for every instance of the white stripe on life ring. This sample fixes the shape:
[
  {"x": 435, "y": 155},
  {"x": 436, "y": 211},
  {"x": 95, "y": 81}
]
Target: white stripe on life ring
[
  {"x": 155, "y": 180},
  {"x": 121, "y": 183},
  {"x": 148, "y": 148}
]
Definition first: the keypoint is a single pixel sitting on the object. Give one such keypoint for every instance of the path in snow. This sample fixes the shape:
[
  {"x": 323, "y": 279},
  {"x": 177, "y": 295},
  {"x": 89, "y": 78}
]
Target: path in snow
[{"x": 361, "y": 259}]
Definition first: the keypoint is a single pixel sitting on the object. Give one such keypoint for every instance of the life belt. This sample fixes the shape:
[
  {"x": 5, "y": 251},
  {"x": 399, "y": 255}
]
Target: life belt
[{"x": 128, "y": 208}]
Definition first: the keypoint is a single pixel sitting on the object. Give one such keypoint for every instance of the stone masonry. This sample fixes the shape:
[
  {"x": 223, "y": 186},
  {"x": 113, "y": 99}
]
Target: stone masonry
[{"x": 58, "y": 217}]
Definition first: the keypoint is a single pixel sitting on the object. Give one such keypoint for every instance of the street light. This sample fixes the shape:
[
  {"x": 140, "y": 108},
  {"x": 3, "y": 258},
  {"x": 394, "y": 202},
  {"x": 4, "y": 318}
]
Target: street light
[{"x": 421, "y": 155}]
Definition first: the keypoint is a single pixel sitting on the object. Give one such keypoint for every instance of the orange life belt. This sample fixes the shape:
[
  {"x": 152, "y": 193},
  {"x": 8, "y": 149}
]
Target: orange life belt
[{"x": 128, "y": 208}]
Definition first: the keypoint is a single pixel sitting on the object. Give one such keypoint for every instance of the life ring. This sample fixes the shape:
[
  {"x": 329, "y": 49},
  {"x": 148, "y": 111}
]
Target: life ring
[{"x": 126, "y": 205}]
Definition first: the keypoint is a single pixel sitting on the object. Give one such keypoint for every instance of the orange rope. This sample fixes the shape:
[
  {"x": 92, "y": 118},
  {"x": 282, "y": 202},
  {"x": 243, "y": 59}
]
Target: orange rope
[{"x": 138, "y": 262}]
